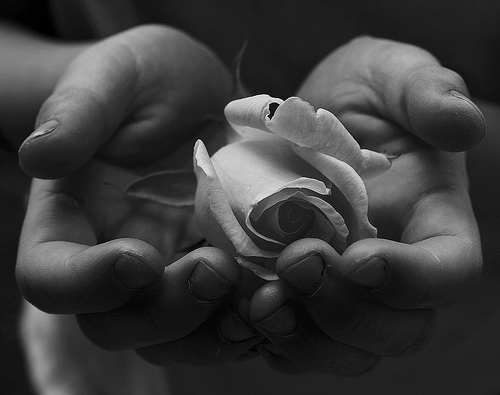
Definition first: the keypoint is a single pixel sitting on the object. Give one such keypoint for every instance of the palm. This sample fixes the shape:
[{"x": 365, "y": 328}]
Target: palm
[
  {"x": 113, "y": 213},
  {"x": 137, "y": 97},
  {"x": 416, "y": 179},
  {"x": 364, "y": 84}
]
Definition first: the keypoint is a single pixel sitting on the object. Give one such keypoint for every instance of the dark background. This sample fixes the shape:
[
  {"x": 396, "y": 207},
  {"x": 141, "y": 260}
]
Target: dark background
[
  {"x": 464, "y": 35},
  {"x": 13, "y": 185}
]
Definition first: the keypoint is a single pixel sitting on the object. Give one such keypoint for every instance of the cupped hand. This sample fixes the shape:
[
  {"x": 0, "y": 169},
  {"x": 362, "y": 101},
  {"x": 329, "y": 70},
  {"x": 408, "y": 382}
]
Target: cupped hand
[
  {"x": 129, "y": 268},
  {"x": 340, "y": 314},
  {"x": 130, "y": 98},
  {"x": 90, "y": 249}
]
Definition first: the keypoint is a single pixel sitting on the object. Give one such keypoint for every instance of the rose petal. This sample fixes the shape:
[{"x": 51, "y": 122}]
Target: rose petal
[
  {"x": 249, "y": 116},
  {"x": 215, "y": 216},
  {"x": 327, "y": 223},
  {"x": 259, "y": 270},
  {"x": 350, "y": 185},
  {"x": 250, "y": 171},
  {"x": 298, "y": 122},
  {"x": 251, "y": 188}
]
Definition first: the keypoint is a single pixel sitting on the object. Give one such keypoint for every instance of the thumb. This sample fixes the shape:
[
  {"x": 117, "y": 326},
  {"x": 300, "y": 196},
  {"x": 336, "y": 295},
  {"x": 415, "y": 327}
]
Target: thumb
[{"x": 440, "y": 110}]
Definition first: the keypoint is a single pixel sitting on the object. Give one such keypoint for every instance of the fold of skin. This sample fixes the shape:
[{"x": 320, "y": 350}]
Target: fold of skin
[{"x": 293, "y": 172}]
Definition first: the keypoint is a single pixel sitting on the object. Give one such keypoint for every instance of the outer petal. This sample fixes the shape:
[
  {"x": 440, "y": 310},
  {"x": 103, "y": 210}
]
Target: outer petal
[
  {"x": 214, "y": 213},
  {"x": 249, "y": 116},
  {"x": 250, "y": 171},
  {"x": 298, "y": 122},
  {"x": 350, "y": 185}
]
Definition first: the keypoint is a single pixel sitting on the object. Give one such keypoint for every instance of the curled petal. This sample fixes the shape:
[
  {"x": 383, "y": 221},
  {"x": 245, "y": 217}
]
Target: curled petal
[
  {"x": 275, "y": 196},
  {"x": 294, "y": 213},
  {"x": 373, "y": 164},
  {"x": 349, "y": 184},
  {"x": 298, "y": 122},
  {"x": 214, "y": 213},
  {"x": 249, "y": 116}
]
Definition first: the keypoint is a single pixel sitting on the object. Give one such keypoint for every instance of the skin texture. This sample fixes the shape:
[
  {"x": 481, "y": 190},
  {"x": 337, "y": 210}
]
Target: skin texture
[
  {"x": 428, "y": 251},
  {"x": 125, "y": 83},
  {"x": 84, "y": 243}
]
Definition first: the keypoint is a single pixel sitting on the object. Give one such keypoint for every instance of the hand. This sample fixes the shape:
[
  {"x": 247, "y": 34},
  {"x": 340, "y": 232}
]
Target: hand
[
  {"x": 130, "y": 98},
  {"x": 340, "y": 314},
  {"x": 88, "y": 249}
]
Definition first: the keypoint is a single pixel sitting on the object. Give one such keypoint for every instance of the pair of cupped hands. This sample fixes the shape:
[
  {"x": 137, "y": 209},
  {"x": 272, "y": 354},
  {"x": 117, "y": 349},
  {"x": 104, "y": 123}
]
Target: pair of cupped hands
[{"x": 134, "y": 100}]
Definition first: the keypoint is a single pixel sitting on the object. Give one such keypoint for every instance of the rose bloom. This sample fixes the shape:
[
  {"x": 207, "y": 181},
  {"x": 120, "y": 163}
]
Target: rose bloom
[{"x": 291, "y": 173}]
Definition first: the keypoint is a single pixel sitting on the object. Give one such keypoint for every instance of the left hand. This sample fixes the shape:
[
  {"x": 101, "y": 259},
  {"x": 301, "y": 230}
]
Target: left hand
[{"x": 340, "y": 314}]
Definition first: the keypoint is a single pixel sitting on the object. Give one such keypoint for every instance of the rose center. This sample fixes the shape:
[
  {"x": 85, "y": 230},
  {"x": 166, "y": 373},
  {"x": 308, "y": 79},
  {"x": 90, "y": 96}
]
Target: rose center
[{"x": 294, "y": 218}]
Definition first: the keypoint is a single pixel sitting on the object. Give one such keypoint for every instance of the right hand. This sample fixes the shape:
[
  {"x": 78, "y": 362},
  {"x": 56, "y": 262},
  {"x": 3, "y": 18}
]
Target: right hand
[{"x": 379, "y": 297}]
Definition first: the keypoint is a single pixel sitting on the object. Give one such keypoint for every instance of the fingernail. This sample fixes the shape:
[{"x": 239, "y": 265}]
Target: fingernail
[
  {"x": 392, "y": 156},
  {"x": 371, "y": 275},
  {"x": 458, "y": 95},
  {"x": 234, "y": 330},
  {"x": 208, "y": 285},
  {"x": 461, "y": 96},
  {"x": 44, "y": 129},
  {"x": 283, "y": 322},
  {"x": 306, "y": 275},
  {"x": 132, "y": 273}
]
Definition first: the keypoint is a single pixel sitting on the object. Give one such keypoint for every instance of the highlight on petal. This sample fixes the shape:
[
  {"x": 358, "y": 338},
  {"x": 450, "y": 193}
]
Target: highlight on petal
[
  {"x": 298, "y": 122},
  {"x": 214, "y": 213},
  {"x": 277, "y": 197},
  {"x": 349, "y": 184},
  {"x": 249, "y": 116},
  {"x": 296, "y": 173},
  {"x": 250, "y": 171}
]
